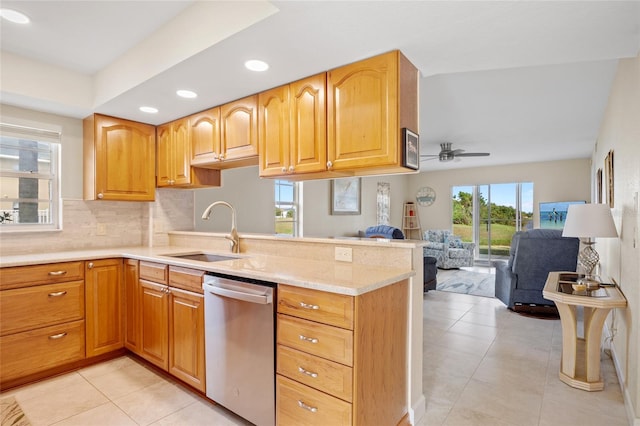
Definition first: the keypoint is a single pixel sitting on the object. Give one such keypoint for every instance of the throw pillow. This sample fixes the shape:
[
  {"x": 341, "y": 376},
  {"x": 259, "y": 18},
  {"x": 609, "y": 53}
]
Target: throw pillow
[{"x": 455, "y": 243}]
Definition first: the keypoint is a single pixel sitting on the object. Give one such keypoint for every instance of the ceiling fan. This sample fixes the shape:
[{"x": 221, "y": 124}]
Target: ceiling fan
[{"x": 448, "y": 154}]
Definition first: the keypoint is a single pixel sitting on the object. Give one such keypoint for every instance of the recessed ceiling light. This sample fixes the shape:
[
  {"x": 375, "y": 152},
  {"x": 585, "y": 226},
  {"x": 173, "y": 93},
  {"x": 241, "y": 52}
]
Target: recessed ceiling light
[
  {"x": 150, "y": 110},
  {"x": 14, "y": 16},
  {"x": 256, "y": 65},
  {"x": 186, "y": 94}
]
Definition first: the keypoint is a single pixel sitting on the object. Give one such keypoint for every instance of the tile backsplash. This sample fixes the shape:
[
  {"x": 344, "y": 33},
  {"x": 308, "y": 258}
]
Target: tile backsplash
[{"x": 125, "y": 224}]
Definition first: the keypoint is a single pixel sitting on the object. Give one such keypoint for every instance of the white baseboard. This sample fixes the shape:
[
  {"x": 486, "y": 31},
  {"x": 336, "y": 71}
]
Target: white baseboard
[
  {"x": 418, "y": 411},
  {"x": 633, "y": 419}
]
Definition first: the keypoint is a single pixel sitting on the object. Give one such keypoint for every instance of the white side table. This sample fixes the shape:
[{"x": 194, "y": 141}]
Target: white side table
[{"x": 580, "y": 366}]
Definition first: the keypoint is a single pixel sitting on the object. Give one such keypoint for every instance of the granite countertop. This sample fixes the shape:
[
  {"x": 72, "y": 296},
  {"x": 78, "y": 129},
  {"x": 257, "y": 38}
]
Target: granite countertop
[{"x": 335, "y": 277}]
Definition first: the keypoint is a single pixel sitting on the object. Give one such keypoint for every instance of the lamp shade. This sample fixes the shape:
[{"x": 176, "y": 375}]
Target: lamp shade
[{"x": 589, "y": 221}]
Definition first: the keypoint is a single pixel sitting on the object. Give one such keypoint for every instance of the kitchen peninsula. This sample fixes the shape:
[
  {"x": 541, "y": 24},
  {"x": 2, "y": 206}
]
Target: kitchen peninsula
[{"x": 377, "y": 267}]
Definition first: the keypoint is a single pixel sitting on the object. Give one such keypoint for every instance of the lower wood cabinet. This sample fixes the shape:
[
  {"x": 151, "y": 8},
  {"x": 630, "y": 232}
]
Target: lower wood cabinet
[
  {"x": 104, "y": 306},
  {"x": 131, "y": 278},
  {"x": 42, "y": 312},
  {"x": 170, "y": 321},
  {"x": 341, "y": 360}
]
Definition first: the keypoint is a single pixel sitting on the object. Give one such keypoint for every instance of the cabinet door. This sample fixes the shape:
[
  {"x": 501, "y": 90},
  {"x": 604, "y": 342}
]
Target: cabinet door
[
  {"x": 164, "y": 173},
  {"x": 103, "y": 300},
  {"x": 132, "y": 305},
  {"x": 154, "y": 316},
  {"x": 273, "y": 134},
  {"x": 239, "y": 128},
  {"x": 186, "y": 337},
  {"x": 308, "y": 125},
  {"x": 181, "y": 153},
  {"x": 124, "y": 159},
  {"x": 205, "y": 136},
  {"x": 362, "y": 105}
]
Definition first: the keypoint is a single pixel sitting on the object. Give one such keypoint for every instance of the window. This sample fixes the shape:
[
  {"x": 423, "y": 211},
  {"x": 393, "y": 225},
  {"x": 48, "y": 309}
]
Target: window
[
  {"x": 489, "y": 215},
  {"x": 287, "y": 209},
  {"x": 29, "y": 179}
]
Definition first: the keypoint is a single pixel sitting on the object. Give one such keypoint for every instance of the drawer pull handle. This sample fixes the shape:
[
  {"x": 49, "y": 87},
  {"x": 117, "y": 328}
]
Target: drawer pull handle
[
  {"x": 57, "y": 273},
  {"x": 57, "y": 294},
  {"x": 307, "y": 407},
  {"x": 57, "y": 336},
  {"x": 307, "y": 306},
  {"x": 308, "y": 373},
  {"x": 308, "y": 339}
]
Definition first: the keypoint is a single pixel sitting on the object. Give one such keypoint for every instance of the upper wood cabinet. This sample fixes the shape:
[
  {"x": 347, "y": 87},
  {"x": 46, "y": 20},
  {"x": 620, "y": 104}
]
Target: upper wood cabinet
[
  {"x": 174, "y": 158},
  {"x": 119, "y": 159},
  {"x": 368, "y": 104},
  {"x": 173, "y": 153},
  {"x": 239, "y": 129},
  {"x": 292, "y": 128},
  {"x": 205, "y": 136}
]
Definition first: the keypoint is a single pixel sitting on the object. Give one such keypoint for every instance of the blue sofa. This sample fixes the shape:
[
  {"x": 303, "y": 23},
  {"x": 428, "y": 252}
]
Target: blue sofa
[{"x": 532, "y": 256}]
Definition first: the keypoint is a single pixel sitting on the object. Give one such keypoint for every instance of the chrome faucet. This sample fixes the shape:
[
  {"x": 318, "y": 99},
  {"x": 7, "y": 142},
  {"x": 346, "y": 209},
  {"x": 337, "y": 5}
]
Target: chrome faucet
[{"x": 233, "y": 235}]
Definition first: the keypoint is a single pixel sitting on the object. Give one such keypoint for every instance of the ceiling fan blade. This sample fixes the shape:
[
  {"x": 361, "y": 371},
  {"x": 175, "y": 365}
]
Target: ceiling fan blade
[
  {"x": 473, "y": 154},
  {"x": 427, "y": 159},
  {"x": 457, "y": 151},
  {"x": 429, "y": 155}
]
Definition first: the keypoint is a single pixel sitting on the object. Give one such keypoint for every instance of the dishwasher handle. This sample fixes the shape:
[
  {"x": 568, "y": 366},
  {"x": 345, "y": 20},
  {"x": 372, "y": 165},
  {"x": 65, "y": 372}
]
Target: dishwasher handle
[{"x": 261, "y": 299}]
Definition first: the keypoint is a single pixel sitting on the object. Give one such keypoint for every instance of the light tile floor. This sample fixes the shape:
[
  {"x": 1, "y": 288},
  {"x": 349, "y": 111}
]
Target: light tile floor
[{"x": 483, "y": 365}]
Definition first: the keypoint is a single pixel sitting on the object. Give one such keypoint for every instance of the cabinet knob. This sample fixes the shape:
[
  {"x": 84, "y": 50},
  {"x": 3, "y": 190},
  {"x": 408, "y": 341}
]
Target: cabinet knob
[
  {"x": 284, "y": 170},
  {"x": 100, "y": 195},
  {"x": 290, "y": 169},
  {"x": 221, "y": 157},
  {"x": 90, "y": 265},
  {"x": 329, "y": 164}
]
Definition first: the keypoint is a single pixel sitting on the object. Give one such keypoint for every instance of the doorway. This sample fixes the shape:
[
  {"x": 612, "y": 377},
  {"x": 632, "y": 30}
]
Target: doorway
[{"x": 490, "y": 214}]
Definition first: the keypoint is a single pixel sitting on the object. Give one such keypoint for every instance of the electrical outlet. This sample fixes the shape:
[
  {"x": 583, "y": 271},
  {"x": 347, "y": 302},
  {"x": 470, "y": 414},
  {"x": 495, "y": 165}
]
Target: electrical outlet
[
  {"x": 344, "y": 254},
  {"x": 101, "y": 229}
]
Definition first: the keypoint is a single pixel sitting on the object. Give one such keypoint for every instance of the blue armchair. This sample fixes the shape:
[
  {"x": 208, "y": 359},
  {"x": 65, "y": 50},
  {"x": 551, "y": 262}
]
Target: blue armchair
[
  {"x": 449, "y": 250},
  {"x": 532, "y": 256}
]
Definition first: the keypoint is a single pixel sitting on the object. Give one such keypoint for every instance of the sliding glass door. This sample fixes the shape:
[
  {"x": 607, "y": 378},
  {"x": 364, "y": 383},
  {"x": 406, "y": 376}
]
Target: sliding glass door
[{"x": 490, "y": 214}]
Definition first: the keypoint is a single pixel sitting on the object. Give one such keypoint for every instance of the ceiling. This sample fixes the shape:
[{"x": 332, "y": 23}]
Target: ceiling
[{"x": 525, "y": 81}]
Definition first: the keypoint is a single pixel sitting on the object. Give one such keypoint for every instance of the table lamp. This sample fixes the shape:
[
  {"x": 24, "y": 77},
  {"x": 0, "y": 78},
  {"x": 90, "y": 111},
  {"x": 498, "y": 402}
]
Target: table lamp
[{"x": 589, "y": 221}]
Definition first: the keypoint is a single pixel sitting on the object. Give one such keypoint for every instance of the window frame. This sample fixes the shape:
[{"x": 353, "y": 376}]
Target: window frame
[
  {"x": 53, "y": 138},
  {"x": 295, "y": 205}
]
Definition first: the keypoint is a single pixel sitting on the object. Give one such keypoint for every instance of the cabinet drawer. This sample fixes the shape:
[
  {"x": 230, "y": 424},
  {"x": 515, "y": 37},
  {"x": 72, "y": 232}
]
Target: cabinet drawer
[
  {"x": 22, "y": 276},
  {"x": 37, "y": 350},
  {"x": 332, "y": 343},
  {"x": 327, "y": 308},
  {"x": 319, "y": 373},
  {"x": 156, "y": 272},
  {"x": 32, "y": 307},
  {"x": 297, "y": 404},
  {"x": 186, "y": 279}
]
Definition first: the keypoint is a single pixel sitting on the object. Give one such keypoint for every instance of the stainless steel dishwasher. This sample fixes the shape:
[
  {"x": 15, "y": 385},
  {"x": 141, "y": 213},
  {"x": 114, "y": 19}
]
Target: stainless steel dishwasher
[{"x": 239, "y": 346}]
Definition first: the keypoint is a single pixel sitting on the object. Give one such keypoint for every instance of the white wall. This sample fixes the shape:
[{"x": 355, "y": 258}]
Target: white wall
[
  {"x": 620, "y": 132},
  {"x": 552, "y": 181},
  {"x": 252, "y": 198},
  {"x": 318, "y": 221}
]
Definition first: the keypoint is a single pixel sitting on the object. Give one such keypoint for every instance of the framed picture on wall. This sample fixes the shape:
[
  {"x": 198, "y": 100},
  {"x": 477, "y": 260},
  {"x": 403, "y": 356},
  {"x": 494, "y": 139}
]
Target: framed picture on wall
[
  {"x": 411, "y": 154},
  {"x": 608, "y": 168},
  {"x": 345, "y": 196},
  {"x": 599, "y": 186}
]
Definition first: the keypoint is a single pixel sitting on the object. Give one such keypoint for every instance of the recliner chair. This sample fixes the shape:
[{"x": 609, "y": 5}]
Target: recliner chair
[{"x": 532, "y": 256}]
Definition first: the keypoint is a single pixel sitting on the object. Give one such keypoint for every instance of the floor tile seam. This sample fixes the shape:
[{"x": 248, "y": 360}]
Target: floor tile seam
[
  {"x": 97, "y": 406},
  {"x": 172, "y": 413}
]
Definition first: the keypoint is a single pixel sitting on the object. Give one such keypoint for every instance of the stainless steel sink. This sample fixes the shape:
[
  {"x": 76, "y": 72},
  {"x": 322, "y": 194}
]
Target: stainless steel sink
[{"x": 203, "y": 257}]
